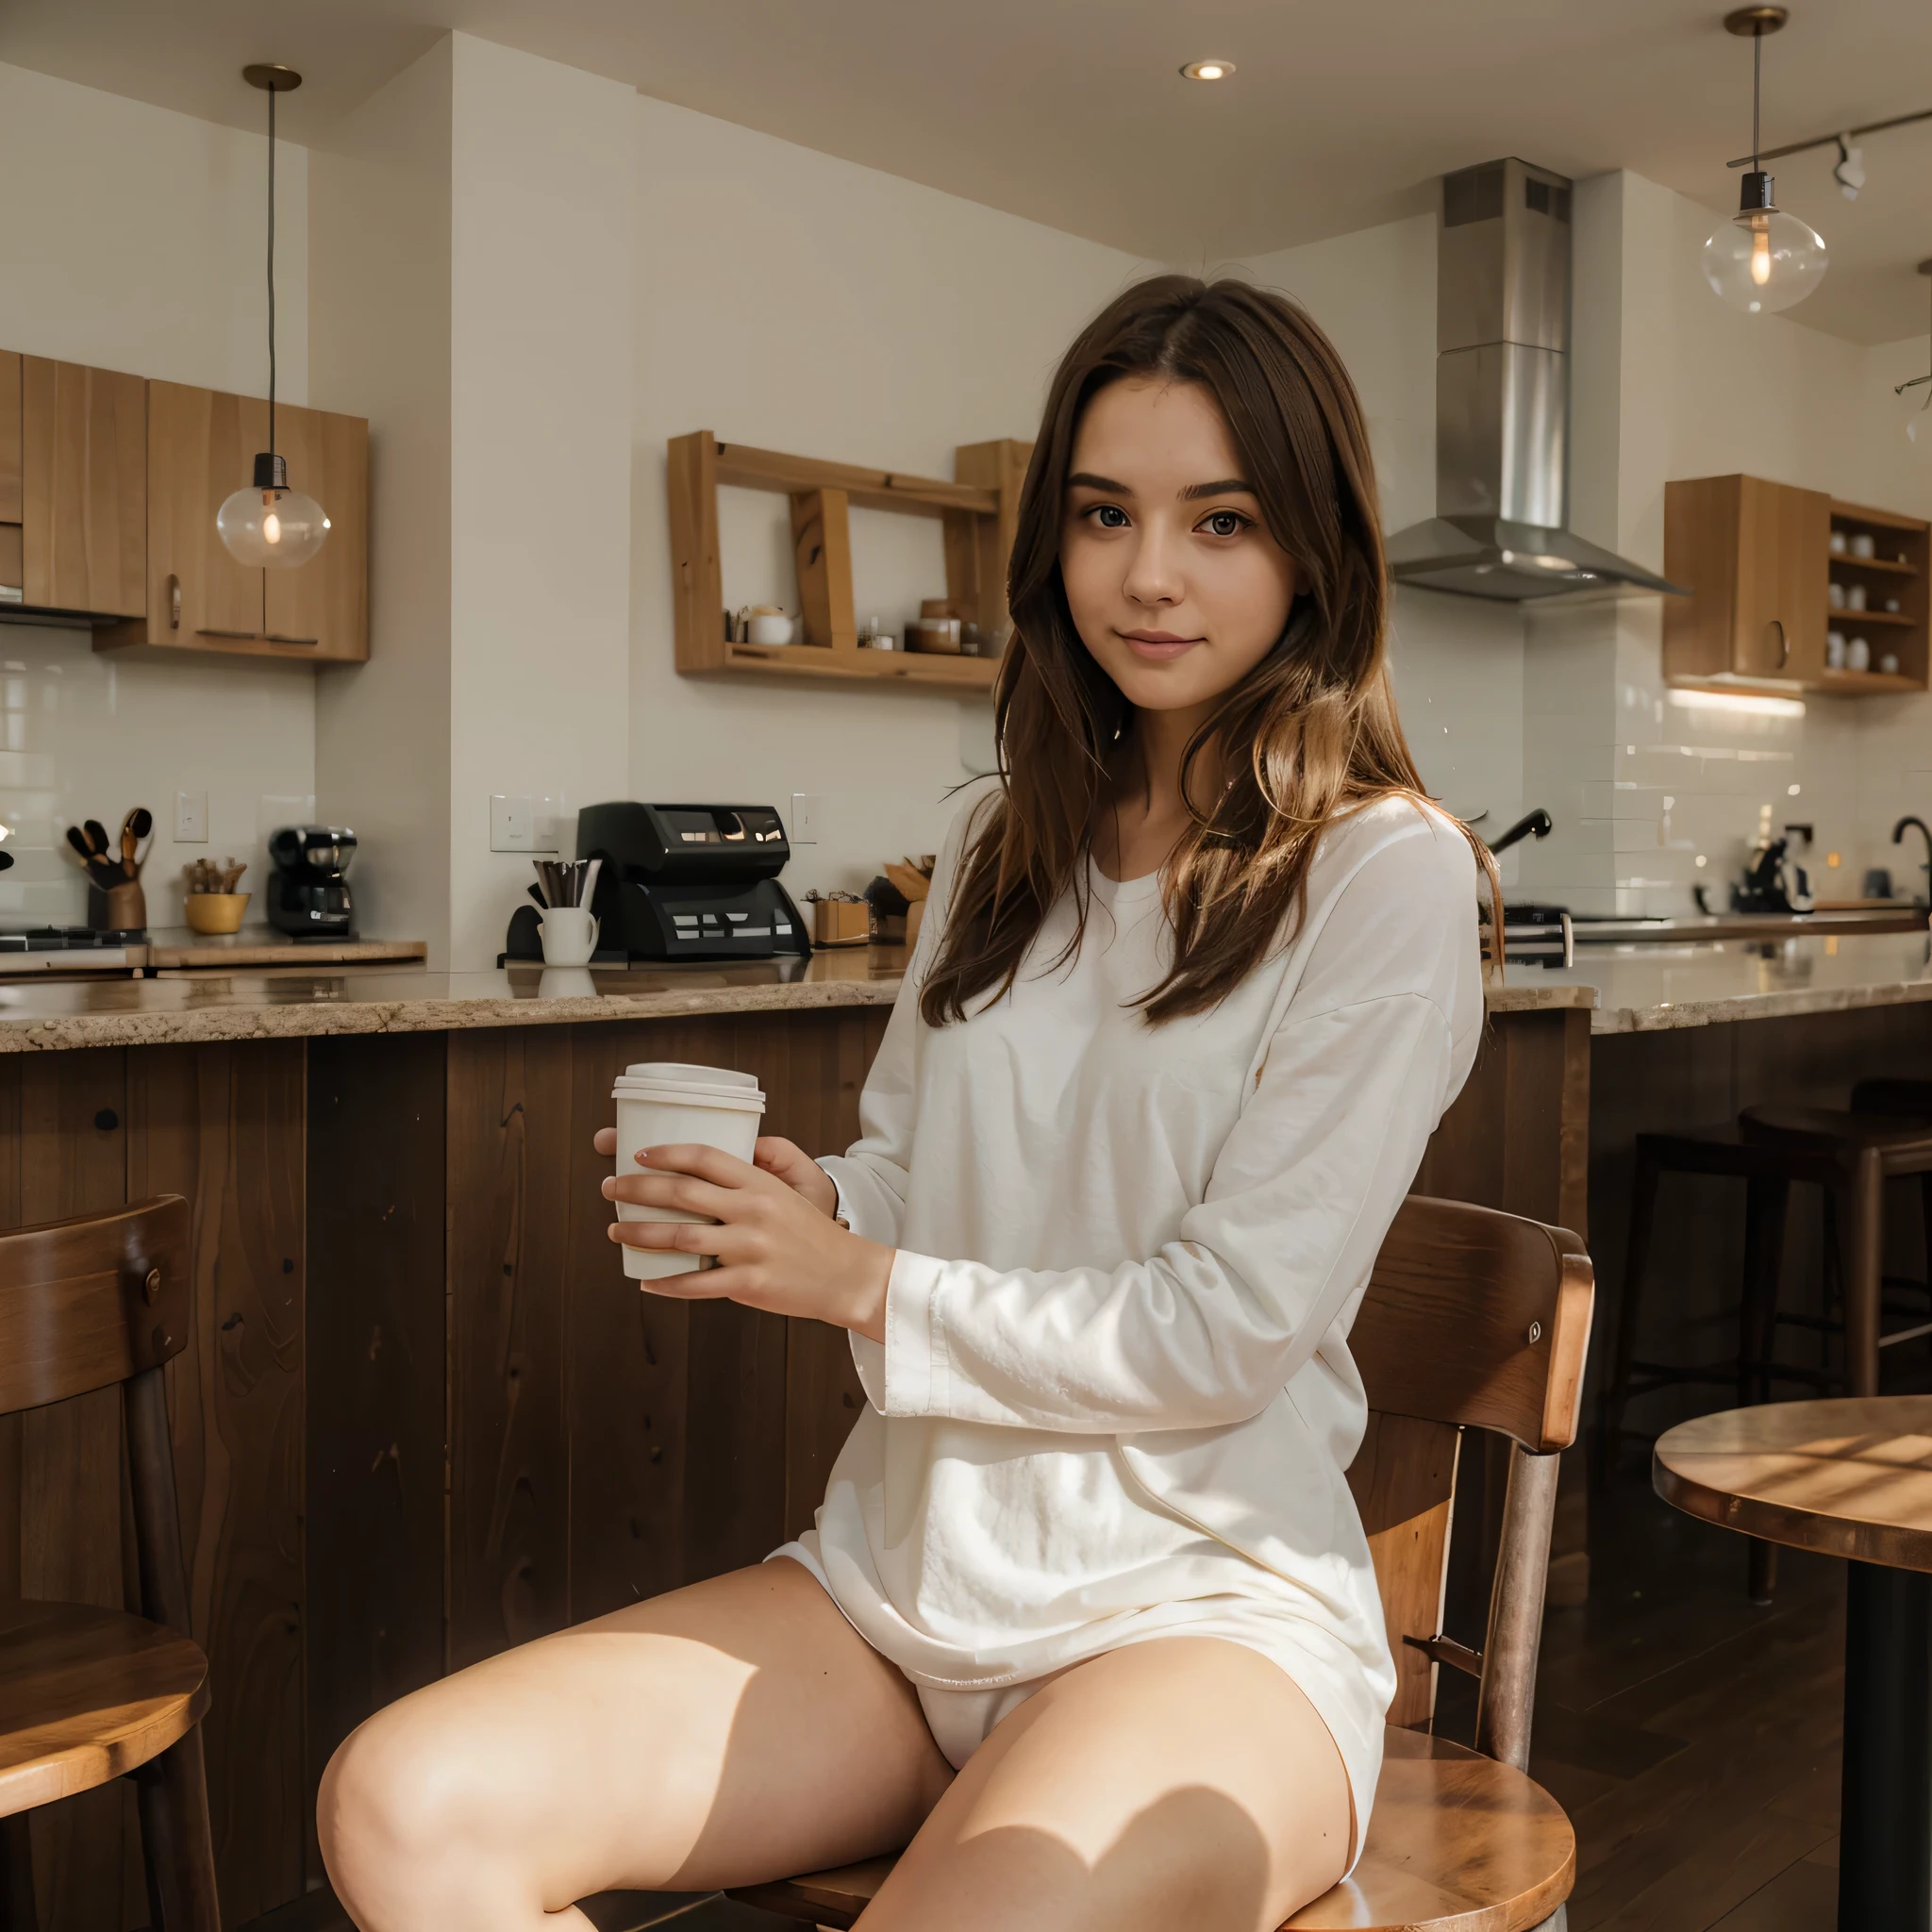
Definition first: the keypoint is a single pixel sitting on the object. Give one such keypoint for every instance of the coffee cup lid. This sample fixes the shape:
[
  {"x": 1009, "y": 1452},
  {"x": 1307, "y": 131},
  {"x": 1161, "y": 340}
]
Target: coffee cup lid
[{"x": 683, "y": 1074}]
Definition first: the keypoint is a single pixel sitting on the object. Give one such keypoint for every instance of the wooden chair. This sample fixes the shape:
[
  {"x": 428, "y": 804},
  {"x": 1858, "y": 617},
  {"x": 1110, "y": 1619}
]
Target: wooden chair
[
  {"x": 1472, "y": 1320},
  {"x": 87, "y": 1695}
]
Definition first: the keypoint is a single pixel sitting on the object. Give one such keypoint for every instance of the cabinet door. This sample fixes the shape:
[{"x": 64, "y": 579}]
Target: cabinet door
[
  {"x": 83, "y": 488},
  {"x": 1783, "y": 546},
  {"x": 10, "y": 569},
  {"x": 201, "y": 449},
  {"x": 325, "y": 602}
]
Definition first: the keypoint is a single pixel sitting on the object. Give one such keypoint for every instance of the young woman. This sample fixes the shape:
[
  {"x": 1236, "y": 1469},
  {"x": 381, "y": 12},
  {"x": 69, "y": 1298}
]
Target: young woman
[{"x": 1088, "y": 1615}]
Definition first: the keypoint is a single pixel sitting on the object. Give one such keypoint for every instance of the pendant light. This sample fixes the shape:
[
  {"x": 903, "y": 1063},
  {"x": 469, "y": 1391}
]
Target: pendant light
[
  {"x": 1915, "y": 397},
  {"x": 268, "y": 523},
  {"x": 1761, "y": 259}
]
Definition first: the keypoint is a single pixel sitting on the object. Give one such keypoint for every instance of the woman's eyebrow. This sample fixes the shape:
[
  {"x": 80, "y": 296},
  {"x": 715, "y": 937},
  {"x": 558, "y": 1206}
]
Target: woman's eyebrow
[
  {"x": 1228, "y": 486},
  {"x": 1086, "y": 479}
]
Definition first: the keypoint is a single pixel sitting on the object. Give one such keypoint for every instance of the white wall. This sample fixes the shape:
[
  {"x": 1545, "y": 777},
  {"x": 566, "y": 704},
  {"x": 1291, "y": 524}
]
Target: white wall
[
  {"x": 473, "y": 298},
  {"x": 1457, "y": 661},
  {"x": 803, "y": 304},
  {"x": 541, "y": 347},
  {"x": 380, "y": 330},
  {"x": 132, "y": 239}
]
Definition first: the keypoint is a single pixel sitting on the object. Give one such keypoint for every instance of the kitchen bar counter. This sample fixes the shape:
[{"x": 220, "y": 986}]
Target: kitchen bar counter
[{"x": 1631, "y": 989}]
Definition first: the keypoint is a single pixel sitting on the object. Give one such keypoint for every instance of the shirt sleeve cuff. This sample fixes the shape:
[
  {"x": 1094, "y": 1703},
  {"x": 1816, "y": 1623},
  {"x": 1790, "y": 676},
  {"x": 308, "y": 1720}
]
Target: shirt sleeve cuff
[{"x": 906, "y": 1377}]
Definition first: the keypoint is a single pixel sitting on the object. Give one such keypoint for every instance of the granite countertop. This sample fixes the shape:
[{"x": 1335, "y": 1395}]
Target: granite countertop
[
  {"x": 1652, "y": 988},
  {"x": 1628, "y": 989}
]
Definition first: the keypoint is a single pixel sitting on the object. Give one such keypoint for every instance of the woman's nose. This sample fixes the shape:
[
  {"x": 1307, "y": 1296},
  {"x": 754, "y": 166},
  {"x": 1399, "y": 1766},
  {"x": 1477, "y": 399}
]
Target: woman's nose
[{"x": 1154, "y": 574}]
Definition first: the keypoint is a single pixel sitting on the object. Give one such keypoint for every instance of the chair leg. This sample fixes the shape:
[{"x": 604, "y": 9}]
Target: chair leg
[
  {"x": 1616, "y": 1391},
  {"x": 178, "y": 1844},
  {"x": 1864, "y": 1213},
  {"x": 1767, "y": 1201},
  {"x": 18, "y": 1912},
  {"x": 1762, "y": 1582}
]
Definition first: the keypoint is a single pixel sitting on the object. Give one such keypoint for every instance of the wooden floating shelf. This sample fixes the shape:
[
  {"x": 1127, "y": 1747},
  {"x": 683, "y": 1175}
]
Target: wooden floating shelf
[
  {"x": 978, "y": 510},
  {"x": 1884, "y": 563},
  {"x": 1852, "y": 619},
  {"x": 874, "y": 667}
]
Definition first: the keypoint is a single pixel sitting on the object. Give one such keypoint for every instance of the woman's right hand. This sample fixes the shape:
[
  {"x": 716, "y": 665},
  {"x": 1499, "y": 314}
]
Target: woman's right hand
[{"x": 783, "y": 1159}]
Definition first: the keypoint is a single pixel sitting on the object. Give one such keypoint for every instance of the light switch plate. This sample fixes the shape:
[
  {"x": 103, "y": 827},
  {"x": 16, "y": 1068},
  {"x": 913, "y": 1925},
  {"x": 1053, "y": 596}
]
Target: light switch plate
[
  {"x": 190, "y": 818},
  {"x": 807, "y": 807},
  {"x": 512, "y": 823}
]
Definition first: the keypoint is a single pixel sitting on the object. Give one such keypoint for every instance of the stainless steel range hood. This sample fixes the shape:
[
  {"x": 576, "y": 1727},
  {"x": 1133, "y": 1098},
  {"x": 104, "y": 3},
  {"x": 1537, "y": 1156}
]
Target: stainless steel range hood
[{"x": 1503, "y": 403}]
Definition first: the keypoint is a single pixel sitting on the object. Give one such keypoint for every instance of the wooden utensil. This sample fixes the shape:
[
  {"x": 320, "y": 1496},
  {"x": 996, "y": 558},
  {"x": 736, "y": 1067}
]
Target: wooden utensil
[
  {"x": 133, "y": 829},
  {"x": 96, "y": 837}
]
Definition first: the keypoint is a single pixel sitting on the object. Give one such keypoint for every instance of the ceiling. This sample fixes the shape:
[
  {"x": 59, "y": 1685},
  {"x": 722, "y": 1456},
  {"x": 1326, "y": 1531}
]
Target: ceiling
[{"x": 1073, "y": 112}]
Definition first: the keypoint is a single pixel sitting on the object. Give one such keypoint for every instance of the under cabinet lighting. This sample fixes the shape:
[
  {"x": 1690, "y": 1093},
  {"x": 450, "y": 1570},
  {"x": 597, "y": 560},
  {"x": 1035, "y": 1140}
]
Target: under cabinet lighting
[
  {"x": 1207, "y": 70},
  {"x": 1739, "y": 703}
]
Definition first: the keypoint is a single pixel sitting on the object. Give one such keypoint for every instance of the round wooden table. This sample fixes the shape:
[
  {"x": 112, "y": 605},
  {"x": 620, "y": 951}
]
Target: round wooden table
[{"x": 1853, "y": 1479}]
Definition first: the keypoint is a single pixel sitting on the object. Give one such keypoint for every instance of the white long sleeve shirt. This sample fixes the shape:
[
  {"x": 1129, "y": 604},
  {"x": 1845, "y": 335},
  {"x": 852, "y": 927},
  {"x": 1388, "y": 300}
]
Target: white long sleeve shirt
[{"x": 1115, "y": 1396}]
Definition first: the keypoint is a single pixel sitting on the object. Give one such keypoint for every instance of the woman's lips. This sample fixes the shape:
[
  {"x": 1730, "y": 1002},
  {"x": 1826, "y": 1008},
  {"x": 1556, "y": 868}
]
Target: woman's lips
[{"x": 1157, "y": 646}]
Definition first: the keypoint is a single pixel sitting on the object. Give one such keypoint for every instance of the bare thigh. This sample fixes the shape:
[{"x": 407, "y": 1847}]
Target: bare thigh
[
  {"x": 1183, "y": 1782},
  {"x": 737, "y": 1730}
]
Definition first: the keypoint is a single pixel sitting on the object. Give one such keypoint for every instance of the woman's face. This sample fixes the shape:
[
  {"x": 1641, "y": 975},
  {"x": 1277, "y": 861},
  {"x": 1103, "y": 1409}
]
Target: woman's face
[{"x": 1174, "y": 586}]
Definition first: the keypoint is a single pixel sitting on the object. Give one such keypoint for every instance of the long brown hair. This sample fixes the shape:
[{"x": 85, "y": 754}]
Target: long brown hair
[{"x": 1309, "y": 735}]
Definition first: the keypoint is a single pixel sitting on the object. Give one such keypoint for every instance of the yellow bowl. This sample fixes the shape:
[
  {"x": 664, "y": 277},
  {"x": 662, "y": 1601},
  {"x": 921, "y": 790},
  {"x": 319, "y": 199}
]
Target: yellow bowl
[{"x": 216, "y": 911}]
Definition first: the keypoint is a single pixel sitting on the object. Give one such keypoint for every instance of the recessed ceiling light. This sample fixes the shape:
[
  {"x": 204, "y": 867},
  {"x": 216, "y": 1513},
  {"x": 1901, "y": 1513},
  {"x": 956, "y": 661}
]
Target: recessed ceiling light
[{"x": 1208, "y": 70}]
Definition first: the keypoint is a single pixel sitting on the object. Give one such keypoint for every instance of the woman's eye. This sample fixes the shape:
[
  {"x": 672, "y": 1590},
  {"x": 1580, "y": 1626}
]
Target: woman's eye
[
  {"x": 1111, "y": 516},
  {"x": 1224, "y": 523}
]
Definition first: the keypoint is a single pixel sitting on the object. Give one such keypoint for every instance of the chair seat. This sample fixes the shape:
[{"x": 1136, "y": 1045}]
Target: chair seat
[
  {"x": 1457, "y": 1844},
  {"x": 87, "y": 1695},
  {"x": 1824, "y": 1128}
]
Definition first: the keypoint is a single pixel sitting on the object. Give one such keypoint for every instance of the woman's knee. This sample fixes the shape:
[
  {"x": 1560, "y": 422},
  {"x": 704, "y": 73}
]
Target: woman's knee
[{"x": 407, "y": 1796}]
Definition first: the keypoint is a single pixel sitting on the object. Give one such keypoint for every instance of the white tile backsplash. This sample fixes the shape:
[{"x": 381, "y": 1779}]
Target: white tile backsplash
[{"x": 91, "y": 735}]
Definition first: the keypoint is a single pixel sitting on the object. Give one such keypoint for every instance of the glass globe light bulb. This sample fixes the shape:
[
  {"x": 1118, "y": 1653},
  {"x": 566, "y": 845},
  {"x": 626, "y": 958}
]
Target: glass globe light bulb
[
  {"x": 1915, "y": 417},
  {"x": 1763, "y": 259},
  {"x": 268, "y": 525}
]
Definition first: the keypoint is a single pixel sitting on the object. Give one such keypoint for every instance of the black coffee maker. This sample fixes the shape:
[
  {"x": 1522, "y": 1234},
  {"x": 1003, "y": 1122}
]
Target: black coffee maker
[{"x": 308, "y": 895}]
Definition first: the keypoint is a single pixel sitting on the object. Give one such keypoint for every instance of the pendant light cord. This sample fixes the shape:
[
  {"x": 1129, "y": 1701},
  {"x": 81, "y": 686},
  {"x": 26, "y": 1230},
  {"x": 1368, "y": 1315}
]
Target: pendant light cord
[
  {"x": 271, "y": 271},
  {"x": 1757, "y": 72}
]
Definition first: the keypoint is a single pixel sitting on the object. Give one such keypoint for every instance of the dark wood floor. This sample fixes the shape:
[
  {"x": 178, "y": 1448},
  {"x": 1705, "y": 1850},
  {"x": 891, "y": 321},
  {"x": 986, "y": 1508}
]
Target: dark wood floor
[{"x": 1693, "y": 1737}]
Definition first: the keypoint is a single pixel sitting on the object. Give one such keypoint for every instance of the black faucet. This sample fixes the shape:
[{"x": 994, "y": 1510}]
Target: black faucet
[
  {"x": 1539, "y": 824},
  {"x": 1898, "y": 833}
]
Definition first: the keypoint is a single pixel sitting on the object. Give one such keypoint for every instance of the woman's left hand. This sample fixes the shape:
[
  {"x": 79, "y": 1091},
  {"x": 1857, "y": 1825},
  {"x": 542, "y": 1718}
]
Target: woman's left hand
[{"x": 774, "y": 1250}]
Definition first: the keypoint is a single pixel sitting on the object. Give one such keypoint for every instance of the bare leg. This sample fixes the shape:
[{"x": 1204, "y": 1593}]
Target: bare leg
[
  {"x": 737, "y": 1730},
  {"x": 1181, "y": 1782}
]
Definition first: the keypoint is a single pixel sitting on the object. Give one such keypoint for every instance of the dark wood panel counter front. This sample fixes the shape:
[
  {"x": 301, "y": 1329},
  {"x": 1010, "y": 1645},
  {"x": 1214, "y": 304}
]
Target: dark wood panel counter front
[{"x": 423, "y": 1413}]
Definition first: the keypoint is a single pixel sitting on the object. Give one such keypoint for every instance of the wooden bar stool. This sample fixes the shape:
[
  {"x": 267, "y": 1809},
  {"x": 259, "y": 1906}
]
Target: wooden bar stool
[
  {"x": 87, "y": 1695},
  {"x": 1472, "y": 1320},
  {"x": 1859, "y": 1153},
  {"x": 1767, "y": 1171}
]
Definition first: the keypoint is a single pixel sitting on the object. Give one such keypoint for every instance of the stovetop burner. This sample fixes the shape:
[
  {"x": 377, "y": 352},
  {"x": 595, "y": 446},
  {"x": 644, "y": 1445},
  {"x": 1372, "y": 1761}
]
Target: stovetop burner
[{"x": 68, "y": 939}]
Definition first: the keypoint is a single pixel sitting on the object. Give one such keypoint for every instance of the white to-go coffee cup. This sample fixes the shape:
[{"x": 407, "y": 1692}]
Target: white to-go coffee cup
[{"x": 667, "y": 1102}]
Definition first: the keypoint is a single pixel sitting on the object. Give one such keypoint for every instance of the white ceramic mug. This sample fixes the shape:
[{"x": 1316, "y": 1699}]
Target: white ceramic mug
[
  {"x": 1835, "y": 595},
  {"x": 570, "y": 936},
  {"x": 1835, "y": 650},
  {"x": 1837, "y": 543},
  {"x": 769, "y": 630},
  {"x": 1858, "y": 654},
  {"x": 662, "y": 1103},
  {"x": 1889, "y": 664},
  {"x": 1855, "y": 597},
  {"x": 1864, "y": 544},
  {"x": 566, "y": 983}
]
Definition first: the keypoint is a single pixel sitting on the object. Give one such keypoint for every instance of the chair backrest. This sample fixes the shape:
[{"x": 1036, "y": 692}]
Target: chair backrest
[
  {"x": 93, "y": 1301},
  {"x": 1473, "y": 1319}
]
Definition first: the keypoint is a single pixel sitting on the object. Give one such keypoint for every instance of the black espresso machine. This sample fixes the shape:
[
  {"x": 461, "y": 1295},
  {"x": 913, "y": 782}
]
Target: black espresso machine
[
  {"x": 308, "y": 895},
  {"x": 691, "y": 881}
]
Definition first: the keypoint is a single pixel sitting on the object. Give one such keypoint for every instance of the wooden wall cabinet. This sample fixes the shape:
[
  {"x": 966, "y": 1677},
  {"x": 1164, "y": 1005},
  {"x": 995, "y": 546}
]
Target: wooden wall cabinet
[
  {"x": 11, "y": 505},
  {"x": 1752, "y": 554},
  {"x": 201, "y": 445}
]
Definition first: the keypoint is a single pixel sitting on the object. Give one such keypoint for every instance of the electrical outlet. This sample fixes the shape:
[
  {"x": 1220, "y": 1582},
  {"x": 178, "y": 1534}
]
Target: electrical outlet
[
  {"x": 807, "y": 807},
  {"x": 549, "y": 819},
  {"x": 190, "y": 818},
  {"x": 512, "y": 823}
]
